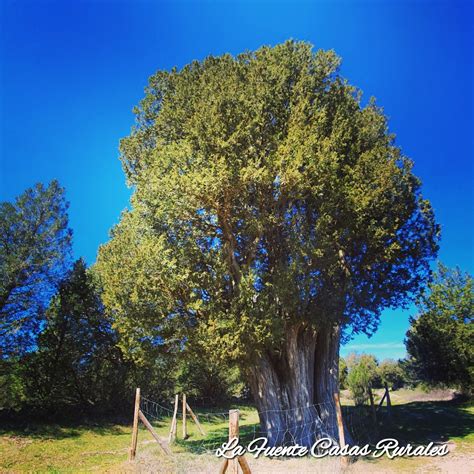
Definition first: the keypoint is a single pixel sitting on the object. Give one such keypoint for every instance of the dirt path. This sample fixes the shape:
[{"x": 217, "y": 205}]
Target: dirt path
[{"x": 453, "y": 463}]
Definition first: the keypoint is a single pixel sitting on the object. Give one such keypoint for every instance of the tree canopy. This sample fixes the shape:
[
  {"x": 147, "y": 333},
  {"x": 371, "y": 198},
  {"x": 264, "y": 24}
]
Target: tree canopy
[
  {"x": 77, "y": 362},
  {"x": 266, "y": 195},
  {"x": 440, "y": 339},
  {"x": 35, "y": 249},
  {"x": 59, "y": 353},
  {"x": 392, "y": 373}
]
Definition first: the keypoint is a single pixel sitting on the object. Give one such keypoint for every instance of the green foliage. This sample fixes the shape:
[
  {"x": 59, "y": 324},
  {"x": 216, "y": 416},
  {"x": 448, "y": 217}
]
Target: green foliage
[
  {"x": 343, "y": 373},
  {"x": 12, "y": 386},
  {"x": 207, "y": 382},
  {"x": 361, "y": 377},
  {"x": 35, "y": 246},
  {"x": 392, "y": 373},
  {"x": 440, "y": 339},
  {"x": 79, "y": 367},
  {"x": 77, "y": 362},
  {"x": 265, "y": 195}
]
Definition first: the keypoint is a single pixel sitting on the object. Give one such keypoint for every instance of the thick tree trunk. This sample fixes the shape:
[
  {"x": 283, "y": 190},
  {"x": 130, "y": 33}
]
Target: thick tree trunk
[
  {"x": 294, "y": 392},
  {"x": 326, "y": 377}
]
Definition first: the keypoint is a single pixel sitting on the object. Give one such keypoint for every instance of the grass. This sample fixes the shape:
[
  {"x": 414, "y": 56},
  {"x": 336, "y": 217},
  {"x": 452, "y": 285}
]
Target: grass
[
  {"x": 83, "y": 448},
  {"x": 53, "y": 448},
  {"x": 104, "y": 447}
]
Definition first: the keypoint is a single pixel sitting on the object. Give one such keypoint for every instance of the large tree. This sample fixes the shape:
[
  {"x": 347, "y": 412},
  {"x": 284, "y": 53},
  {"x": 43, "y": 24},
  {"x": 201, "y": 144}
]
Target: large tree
[
  {"x": 271, "y": 212},
  {"x": 440, "y": 339},
  {"x": 35, "y": 250}
]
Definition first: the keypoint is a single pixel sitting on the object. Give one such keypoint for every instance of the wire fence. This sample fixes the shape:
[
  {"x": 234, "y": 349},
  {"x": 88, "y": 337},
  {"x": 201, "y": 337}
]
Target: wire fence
[{"x": 300, "y": 425}]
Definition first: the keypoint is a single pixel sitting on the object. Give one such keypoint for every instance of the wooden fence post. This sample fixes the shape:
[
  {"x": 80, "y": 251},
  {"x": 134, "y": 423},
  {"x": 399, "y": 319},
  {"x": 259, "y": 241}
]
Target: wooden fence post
[
  {"x": 149, "y": 427},
  {"x": 372, "y": 406},
  {"x": 174, "y": 421},
  {"x": 382, "y": 400},
  {"x": 389, "y": 403},
  {"x": 133, "y": 447},
  {"x": 244, "y": 465},
  {"x": 195, "y": 418},
  {"x": 232, "y": 465},
  {"x": 340, "y": 427},
  {"x": 185, "y": 431}
]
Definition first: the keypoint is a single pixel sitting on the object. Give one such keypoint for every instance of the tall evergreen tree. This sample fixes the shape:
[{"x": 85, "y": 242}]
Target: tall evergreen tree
[
  {"x": 440, "y": 341},
  {"x": 77, "y": 362},
  {"x": 35, "y": 250},
  {"x": 271, "y": 212}
]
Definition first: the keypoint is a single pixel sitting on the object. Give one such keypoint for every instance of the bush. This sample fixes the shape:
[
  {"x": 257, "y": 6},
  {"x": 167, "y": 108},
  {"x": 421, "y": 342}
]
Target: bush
[
  {"x": 392, "y": 374},
  {"x": 343, "y": 373},
  {"x": 361, "y": 377},
  {"x": 12, "y": 387}
]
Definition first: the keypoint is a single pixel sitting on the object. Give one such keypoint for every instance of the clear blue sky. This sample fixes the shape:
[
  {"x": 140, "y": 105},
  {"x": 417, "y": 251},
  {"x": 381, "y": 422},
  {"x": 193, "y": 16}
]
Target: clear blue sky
[{"x": 72, "y": 71}]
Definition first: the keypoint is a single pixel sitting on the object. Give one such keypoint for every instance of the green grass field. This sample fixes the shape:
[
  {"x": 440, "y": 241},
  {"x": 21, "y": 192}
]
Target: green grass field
[{"x": 104, "y": 447}]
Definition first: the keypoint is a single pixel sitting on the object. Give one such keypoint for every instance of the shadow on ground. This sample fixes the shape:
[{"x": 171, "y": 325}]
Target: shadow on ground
[
  {"x": 43, "y": 431},
  {"x": 417, "y": 423},
  {"x": 423, "y": 422}
]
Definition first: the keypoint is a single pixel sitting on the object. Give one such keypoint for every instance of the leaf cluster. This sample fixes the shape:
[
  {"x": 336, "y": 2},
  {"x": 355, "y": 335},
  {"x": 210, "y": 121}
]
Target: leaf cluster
[{"x": 265, "y": 195}]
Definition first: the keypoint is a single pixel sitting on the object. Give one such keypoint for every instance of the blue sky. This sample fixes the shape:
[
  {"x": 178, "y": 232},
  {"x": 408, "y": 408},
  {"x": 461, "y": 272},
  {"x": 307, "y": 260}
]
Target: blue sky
[{"x": 72, "y": 71}]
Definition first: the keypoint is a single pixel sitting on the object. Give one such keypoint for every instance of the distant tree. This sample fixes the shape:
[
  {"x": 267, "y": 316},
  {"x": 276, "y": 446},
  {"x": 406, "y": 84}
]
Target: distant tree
[
  {"x": 392, "y": 373},
  {"x": 271, "y": 211},
  {"x": 343, "y": 372},
  {"x": 77, "y": 362},
  {"x": 361, "y": 377},
  {"x": 35, "y": 248},
  {"x": 440, "y": 339}
]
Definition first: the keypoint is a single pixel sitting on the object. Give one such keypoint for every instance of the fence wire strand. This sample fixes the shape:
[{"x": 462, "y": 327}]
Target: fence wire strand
[{"x": 301, "y": 425}]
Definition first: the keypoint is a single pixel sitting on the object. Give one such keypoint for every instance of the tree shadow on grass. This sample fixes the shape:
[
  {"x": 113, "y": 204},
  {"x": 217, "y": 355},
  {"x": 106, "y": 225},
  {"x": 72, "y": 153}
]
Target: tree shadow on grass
[
  {"x": 43, "y": 431},
  {"x": 416, "y": 423},
  {"x": 423, "y": 422},
  {"x": 216, "y": 436},
  {"x": 209, "y": 443}
]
